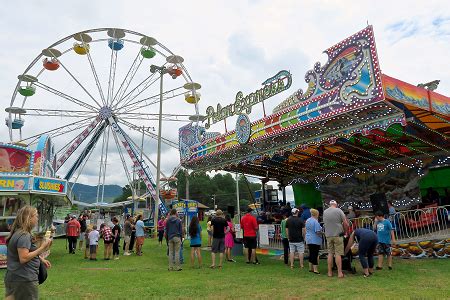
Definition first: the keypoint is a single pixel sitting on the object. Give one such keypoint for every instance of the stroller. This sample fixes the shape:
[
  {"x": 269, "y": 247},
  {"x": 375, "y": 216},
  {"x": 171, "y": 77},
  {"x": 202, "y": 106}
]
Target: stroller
[{"x": 347, "y": 260}]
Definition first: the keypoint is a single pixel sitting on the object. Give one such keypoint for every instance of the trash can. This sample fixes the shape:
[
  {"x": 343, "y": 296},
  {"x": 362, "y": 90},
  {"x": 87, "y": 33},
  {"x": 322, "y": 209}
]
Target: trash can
[{"x": 238, "y": 248}]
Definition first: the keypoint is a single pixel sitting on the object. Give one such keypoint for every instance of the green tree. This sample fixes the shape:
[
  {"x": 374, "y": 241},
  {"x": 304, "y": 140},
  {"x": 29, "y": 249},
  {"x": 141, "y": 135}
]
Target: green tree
[{"x": 203, "y": 188}]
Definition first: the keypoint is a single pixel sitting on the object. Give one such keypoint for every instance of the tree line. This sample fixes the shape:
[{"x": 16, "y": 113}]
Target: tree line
[{"x": 204, "y": 189}]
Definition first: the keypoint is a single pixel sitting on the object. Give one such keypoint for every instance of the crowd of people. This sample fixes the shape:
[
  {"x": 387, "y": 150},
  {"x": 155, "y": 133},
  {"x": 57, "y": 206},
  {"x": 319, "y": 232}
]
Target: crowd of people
[
  {"x": 295, "y": 233},
  {"x": 300, "y": 229}
]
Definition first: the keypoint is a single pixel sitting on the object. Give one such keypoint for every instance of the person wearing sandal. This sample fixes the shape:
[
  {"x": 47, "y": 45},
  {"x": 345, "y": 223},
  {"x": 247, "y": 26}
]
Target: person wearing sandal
[
  {"x": 367, "y": 243},
  {"x": 219, "y": 228},
  {"x": 295, "y": 230},
  {"x": 335, "y": 224},
  {"x": 313, "y": 240}
]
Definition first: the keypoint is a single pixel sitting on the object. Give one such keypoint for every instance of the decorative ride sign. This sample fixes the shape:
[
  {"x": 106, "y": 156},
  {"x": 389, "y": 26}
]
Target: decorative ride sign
[
  {"x": 272, "y": 86},
  {"x": 243, "y": 129}
]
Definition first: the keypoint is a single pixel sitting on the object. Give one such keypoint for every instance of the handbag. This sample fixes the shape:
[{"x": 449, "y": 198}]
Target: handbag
[{"x": 42, "y": 276}]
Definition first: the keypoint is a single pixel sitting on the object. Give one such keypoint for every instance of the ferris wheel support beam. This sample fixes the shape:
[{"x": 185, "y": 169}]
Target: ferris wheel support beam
[
  {"x": 65, "y": 96},
  {"x": 105, "y": 162},
  {"x": 69, "y": 193},
  {"x": 119, "y": 149},
  {"x": 78, "y": 141},
  {"x": 142, "y": 168},
  {"x": 86, "y": 150},
  {"x": 147, "y": 158}
]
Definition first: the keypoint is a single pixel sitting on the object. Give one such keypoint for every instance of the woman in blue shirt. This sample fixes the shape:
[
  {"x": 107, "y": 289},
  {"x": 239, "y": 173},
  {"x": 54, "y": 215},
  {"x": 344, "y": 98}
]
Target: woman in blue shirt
[
  {"x": 195, "y": 231},
  {"x": 313, "y": 240}
]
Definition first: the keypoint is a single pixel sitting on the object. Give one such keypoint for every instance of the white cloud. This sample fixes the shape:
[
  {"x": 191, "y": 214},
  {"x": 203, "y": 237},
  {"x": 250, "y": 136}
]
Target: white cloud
[{"x": 227, "y": 46}]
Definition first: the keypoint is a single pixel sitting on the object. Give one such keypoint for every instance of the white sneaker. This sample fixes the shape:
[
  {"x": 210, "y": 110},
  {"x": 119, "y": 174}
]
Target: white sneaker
[
  {"x": 127, "y": 254},
  {"x": 116, "y": 258}
]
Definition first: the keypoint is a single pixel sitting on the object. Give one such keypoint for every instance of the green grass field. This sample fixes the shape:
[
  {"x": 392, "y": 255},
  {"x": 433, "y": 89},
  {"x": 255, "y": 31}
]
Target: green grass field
[{"x": 146, "y": 277}]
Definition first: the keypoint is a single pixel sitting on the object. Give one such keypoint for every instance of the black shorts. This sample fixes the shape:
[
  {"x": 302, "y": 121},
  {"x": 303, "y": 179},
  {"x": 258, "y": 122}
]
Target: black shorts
[
  {"x": 92, "y": 249},
  {"x": 108, "y": 242},
  {"x": 218, "y": 245},
  {"x": 196, "y": 246},
  {"x": 250, "y": 242},
  {"x": 384, "y": 249}
]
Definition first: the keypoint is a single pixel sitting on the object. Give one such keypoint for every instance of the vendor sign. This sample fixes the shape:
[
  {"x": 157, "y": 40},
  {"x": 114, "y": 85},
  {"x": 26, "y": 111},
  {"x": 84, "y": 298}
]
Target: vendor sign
[
  {"x": 191, "y": 206},
  {"x": 13, "y": 183},
  {"x": 180, "y": 207},
  {"x": 48, "y": 185}
]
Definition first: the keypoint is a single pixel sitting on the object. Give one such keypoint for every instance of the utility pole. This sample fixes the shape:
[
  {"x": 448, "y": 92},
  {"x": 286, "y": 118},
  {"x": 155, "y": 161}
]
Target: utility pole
[{"x": 237, "y": 196}]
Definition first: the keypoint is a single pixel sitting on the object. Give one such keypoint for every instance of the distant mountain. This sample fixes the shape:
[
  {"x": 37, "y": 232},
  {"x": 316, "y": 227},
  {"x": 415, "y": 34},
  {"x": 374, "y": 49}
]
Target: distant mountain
[{"x": 88, "y": 193}]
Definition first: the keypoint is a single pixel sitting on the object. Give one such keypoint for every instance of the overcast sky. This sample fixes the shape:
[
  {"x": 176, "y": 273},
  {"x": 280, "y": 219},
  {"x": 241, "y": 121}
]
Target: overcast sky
[{"x": 228, "y": 46}]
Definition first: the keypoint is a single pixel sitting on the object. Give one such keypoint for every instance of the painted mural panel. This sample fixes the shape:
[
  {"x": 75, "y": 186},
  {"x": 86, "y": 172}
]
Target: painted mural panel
[{"x": 15, "y": 159}]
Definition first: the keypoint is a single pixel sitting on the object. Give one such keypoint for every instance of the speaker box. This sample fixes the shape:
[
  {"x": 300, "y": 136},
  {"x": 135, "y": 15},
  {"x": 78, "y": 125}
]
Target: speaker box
[
  {"x": 379, "y": 203},
  {"x": 230, "y": 210}
]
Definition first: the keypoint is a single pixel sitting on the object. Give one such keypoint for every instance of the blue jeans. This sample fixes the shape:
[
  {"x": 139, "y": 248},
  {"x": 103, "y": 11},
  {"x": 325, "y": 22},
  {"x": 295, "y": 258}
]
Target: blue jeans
[{"x": 367, "y": 248}]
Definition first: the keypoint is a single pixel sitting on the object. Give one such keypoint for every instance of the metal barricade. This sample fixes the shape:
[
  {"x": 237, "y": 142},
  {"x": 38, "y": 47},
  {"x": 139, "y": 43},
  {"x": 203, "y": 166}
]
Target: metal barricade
[{"x": 431, "y": 222}]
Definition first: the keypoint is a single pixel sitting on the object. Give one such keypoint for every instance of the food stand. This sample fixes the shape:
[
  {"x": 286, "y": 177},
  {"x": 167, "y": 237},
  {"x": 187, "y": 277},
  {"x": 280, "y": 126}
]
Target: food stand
[{"x": 27, "y": 178}]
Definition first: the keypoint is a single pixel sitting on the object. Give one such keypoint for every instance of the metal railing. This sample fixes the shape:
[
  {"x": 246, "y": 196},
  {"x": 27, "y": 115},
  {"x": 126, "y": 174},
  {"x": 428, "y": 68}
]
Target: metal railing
[{"x": 432, "y": 222}]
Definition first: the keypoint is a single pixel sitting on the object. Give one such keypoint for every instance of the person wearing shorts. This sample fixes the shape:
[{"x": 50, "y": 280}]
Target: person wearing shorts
[
  {"x": 209, "y": 230},
  {"x": 140, "y": 232},
  {"x": 295, "y": 230},
  {"x": 250, "y": 228},
  {"x": 219, "y": 227},
  {"x": 93, "y": 236},
  {"x": 386, "y": 236},
  {"x": 195, "y": 232},
  {"x": 128, "y": 230},
  {"x": 83, "y": 228},
  {"x": 335, "y": 224}
]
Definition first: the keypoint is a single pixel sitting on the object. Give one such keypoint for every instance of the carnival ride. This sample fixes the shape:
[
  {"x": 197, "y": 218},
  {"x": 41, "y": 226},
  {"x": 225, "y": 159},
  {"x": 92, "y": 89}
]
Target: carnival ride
[
  {"x": 352, "y": 121},
  {"x": 92, "y": 90}
]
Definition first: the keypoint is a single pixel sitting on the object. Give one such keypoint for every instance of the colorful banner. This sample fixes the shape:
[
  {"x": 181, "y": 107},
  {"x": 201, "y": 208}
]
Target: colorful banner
[
  {"x": 13, "y": 183},
  {"x": 180, "y": 207},
  {"x": 14, "y": 159},
  {"x": 191, "y": 206},
  {"x": 48, "y": 185}
]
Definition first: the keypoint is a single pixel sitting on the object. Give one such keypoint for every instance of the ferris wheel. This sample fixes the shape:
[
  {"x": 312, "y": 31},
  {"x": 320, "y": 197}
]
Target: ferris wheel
[{"x": 98, "y": 88}]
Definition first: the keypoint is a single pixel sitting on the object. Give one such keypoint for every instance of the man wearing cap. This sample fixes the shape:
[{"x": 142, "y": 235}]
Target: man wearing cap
[
  {"x": 72, "y": 233},
  {"x": 351, "y": 213},
  {"x": 250, "y": 227},
  {"x": 335, "y": 224},
  {"x": 219, "y": 227},
  {"x": 295, "y": 230}
]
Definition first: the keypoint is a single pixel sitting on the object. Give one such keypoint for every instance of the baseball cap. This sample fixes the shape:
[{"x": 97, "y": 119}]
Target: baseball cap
[
  {"x": 294, "y": 210},
  {"x": 350, "y": 207},
  {"x": 333, "y": 202},
  {"x": 74, "y": 216}
]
